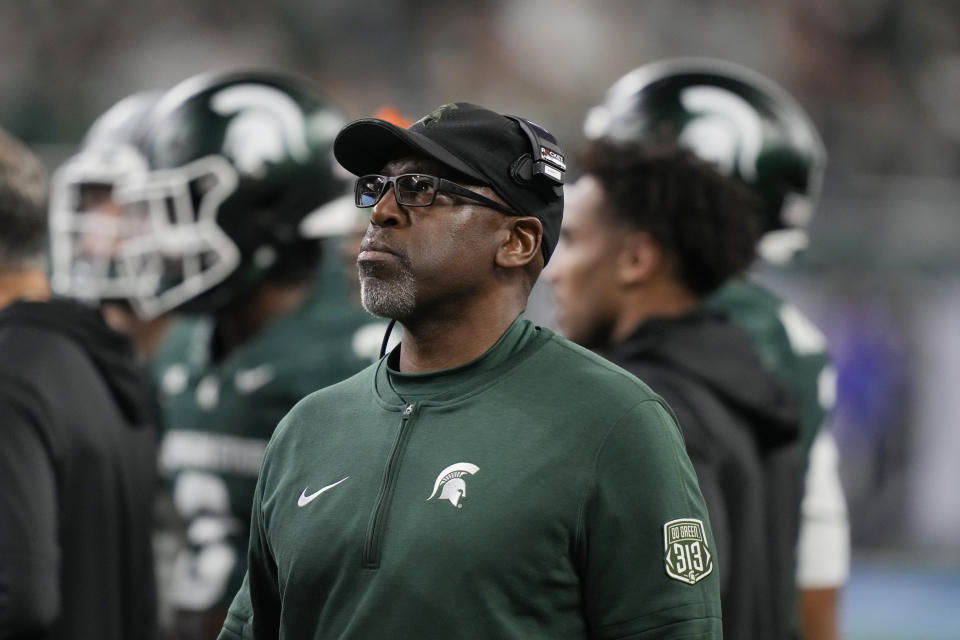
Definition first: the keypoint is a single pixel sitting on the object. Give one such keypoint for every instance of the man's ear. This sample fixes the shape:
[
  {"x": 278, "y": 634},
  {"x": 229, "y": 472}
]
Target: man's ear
[
  {"x": 640, "y": 258},
  {"x": 522, "y": 242}
]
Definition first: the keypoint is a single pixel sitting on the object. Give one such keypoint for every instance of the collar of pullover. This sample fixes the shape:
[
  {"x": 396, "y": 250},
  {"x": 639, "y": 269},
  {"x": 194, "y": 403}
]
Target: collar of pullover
[{"x": 398, "y": 389}]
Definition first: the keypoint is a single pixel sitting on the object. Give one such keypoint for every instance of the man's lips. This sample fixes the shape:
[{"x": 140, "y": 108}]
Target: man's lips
[
  {"x": 372, "y": 255},
  {"x": 375, "y": 252}
]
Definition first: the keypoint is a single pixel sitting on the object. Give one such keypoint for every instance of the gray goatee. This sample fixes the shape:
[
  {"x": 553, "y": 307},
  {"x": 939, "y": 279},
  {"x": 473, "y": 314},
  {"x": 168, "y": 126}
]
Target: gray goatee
[{"x": 392, "y": 298}]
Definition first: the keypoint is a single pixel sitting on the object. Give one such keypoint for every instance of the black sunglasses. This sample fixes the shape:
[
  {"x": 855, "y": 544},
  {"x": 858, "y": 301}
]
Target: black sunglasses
[{"x": 415, "y": 190}]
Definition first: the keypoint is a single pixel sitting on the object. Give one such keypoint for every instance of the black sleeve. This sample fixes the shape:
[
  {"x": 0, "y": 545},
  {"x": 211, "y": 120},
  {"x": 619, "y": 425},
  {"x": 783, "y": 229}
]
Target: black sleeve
[
  {"x": 29, "y": 551},
  {"x": 724, "y": 457}
]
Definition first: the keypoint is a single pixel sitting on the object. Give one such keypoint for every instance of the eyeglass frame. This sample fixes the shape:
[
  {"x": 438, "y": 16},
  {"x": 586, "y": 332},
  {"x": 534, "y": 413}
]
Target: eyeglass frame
[{"x": 440, "y": 185}]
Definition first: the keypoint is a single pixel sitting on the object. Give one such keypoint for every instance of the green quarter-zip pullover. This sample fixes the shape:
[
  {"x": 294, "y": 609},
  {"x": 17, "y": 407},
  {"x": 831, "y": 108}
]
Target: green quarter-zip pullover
[{"x": 536, "y": 492}]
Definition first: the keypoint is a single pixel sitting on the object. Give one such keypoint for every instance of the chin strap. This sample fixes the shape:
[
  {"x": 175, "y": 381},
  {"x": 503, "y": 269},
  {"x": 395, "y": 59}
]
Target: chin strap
[{"x": 386, "y": 338}]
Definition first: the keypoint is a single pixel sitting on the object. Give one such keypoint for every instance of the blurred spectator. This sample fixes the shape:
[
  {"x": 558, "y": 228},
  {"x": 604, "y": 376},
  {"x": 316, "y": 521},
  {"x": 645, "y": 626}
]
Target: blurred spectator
[
  {"x": 879, "y": 75},
  {"x": 77, "y": 464}
]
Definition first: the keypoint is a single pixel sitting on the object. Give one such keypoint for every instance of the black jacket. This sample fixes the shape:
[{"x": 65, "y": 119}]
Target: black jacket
[
  {"x": 742, "y": 434},
  {"x": 77, "y": 476}
]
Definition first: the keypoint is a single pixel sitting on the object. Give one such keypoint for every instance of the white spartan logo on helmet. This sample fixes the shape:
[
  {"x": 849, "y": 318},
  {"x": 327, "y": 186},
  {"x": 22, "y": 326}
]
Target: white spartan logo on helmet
[
  {"x": 454, "y": 486},
  {"x": 268, "y": 126}
]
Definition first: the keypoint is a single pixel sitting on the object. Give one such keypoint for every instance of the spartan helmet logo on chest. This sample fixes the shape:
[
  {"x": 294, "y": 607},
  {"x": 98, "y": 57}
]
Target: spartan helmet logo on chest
[{"x": 451, "y": 483}]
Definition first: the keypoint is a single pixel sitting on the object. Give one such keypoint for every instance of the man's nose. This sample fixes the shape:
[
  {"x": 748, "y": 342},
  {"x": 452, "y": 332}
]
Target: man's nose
[{"x": 386, "y": 212}]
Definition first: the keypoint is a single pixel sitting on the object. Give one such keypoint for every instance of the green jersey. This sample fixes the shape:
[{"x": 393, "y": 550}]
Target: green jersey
[
  {"x": 217, "y": 419},
  {"x": 537, "y": 492},
  {"x": 789, "y": 345}
]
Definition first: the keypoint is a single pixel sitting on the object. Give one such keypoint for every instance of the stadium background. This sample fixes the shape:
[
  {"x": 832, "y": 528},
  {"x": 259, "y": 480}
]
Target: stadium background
[{"x": 881, "y": 78}]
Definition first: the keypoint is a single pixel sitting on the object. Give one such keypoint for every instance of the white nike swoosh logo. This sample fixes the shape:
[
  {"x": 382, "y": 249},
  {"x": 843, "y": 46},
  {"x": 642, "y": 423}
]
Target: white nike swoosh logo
[
  {"x": 307, "y": 499},
  {"x": 249, "y": 380}
]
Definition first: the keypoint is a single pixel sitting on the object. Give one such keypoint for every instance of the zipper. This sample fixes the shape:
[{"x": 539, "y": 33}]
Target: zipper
[{"x": 373, "y": 544}]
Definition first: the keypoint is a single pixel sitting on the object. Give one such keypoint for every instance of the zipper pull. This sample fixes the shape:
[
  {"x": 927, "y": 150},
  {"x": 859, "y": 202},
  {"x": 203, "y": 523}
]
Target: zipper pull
[{"x": 408, "y": 411}]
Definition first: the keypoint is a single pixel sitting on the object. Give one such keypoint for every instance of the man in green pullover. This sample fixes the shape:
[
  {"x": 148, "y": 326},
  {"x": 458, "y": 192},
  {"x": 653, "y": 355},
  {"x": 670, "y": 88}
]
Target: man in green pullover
[{"x": 487, "y": 478}]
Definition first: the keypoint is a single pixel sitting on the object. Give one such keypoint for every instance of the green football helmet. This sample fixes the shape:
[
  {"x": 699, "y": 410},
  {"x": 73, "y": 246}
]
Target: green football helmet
[
  {"x": 742, "y": 122},
  {"x": 237, "y": 161}
]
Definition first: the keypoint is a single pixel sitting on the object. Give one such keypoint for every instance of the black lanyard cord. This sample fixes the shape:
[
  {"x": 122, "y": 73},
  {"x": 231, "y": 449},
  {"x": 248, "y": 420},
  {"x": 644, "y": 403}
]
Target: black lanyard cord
[{"x": 386, "y": 338}]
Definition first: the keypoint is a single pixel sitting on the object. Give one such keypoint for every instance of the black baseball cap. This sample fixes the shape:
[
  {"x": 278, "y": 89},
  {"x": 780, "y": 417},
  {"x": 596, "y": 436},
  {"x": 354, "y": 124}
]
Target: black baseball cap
[{"x": 486, "y": 146}]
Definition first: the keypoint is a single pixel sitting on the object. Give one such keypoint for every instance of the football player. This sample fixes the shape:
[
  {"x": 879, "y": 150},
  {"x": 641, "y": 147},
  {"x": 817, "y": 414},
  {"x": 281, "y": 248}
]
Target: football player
[
  {"x": 238, "y": 186},
  {"x": 749, "y": 127}
]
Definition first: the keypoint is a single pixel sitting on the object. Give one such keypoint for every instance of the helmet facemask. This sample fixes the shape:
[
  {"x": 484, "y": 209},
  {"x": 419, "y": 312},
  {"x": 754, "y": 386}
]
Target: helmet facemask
[
  {"x": 183, "y": 252},
  {"x": 89, "y": 225}
]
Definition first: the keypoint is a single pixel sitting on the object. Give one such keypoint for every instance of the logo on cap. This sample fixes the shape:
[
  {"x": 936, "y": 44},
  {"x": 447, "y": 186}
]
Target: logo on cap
[
  {"x": 436, "y": 114},
  {"x": 553, "y": 157}
]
